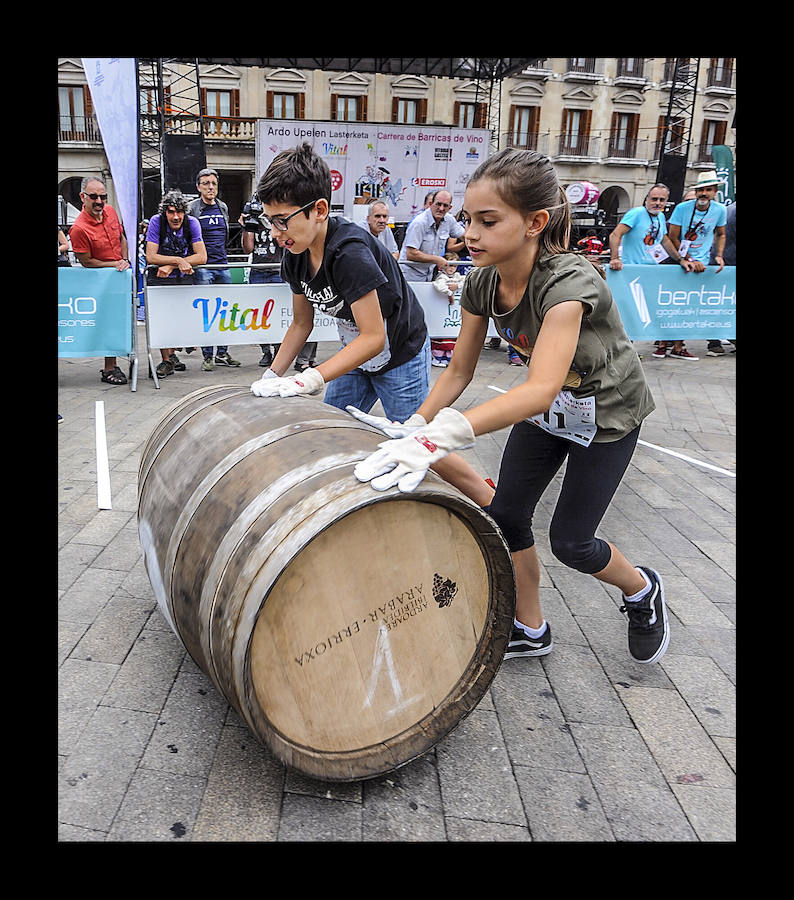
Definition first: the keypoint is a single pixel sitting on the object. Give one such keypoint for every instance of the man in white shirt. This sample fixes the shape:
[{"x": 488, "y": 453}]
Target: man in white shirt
[
  {"x": 377, "y": 222},
  {"x": 426, "y": 239}
]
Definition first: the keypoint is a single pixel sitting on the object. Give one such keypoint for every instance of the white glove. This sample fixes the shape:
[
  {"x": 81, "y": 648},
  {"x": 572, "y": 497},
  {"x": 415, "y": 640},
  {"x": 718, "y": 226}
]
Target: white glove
[
  {"x": 405, "y": 461},
  {"x": 392, "y": 429},
  {"x": 265, "y": 386},
  {"x": 310, "y": 381}
]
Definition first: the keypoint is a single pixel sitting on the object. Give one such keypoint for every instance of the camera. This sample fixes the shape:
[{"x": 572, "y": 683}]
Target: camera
[{"x": 251, "y": 213}]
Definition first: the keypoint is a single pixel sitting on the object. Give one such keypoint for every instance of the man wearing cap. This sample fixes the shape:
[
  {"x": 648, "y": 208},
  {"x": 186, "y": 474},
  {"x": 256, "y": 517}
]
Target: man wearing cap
[{"x": 696, "y": 224}]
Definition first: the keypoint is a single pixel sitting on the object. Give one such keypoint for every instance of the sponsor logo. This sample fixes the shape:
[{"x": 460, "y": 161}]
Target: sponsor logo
[
  {"x": 444, "y": 590},
  {"x": 427, "y": 444}
]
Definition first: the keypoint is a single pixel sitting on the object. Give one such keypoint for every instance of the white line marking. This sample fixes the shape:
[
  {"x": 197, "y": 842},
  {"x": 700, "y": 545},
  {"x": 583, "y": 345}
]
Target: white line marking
[
  {"x": 102, "y": 468},
  {"x": 689, "y": 459}
]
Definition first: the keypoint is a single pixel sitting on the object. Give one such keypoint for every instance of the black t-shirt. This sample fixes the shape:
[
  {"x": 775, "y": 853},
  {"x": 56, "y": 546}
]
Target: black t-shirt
[{"x": 355, "y": 263}]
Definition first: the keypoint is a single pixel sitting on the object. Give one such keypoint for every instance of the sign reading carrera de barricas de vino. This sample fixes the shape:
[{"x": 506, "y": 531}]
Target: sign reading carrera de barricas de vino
[{"x": 399, "y": 164}]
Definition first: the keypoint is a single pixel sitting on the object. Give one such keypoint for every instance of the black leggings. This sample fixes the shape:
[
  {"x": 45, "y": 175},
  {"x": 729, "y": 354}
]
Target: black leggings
[{"x": 530, "y": 460}]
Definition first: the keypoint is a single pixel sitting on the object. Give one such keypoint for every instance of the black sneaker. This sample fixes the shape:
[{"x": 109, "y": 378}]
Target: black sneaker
[
  {"x": 178, "y": 365},
  {"x": 649, "y": 633},
  {"x": 521, "y": 644}
]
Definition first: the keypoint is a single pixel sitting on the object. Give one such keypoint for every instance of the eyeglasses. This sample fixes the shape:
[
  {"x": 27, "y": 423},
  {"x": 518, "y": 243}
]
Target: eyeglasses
[
  {"x": 280, "y": 222},
  {"x": 102, "y": 197}
]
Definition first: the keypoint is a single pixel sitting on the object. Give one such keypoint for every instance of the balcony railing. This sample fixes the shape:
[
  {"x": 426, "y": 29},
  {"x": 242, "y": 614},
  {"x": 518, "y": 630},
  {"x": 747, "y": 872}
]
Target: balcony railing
[
  {"x": 230, "y": 128},
  {"x": 631, "y": 67},
  {"x": 78, "y": 128},
  {"x": 579, "y": 145},
  {"x": 719, "y": 77},
  {"x": 527, "y": 141},
  {"x": 582, "y": 64}
]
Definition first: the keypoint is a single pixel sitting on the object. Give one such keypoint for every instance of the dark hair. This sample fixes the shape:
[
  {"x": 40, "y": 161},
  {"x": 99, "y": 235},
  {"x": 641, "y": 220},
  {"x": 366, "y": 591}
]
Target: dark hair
[
  {"x": 173, "y": 198},
  {"x": 526, "y": 180},
  {"x": 296, "y": 175}
]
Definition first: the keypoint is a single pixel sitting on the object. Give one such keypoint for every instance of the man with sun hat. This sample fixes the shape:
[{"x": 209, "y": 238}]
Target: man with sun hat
[{"x": 696, "y": 224}]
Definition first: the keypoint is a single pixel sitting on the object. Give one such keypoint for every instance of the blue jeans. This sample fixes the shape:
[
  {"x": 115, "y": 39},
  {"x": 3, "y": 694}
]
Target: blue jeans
[
  {"x": 213, "y": 276},
  {"x": 401, "y": 390}
]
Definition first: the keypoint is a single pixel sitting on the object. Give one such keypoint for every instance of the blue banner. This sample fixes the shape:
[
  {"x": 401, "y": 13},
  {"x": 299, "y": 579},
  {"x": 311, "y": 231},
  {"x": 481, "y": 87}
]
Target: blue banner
[
  {"x": 94, "y": 312},
  {"x": 665, "y": 303}
]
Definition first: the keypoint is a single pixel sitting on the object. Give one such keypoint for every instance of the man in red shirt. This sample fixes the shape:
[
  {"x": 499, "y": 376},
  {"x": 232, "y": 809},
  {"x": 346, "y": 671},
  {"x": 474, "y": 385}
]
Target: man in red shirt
[{"x": 98, "y": 241}]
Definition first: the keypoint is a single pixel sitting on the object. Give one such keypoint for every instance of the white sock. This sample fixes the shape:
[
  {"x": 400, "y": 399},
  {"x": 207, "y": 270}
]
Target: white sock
[
  {"x": 532, "y": 632},
  {"x": 641, "y": 593}
]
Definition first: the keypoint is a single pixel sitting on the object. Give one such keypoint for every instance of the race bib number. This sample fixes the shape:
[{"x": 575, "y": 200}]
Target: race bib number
[
  {"x": 348, "y": 331},
  {"x": 570, "y": 417}
]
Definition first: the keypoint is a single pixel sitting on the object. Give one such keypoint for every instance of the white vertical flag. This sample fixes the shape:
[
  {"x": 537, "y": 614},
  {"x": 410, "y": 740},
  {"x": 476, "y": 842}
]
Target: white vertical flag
[{"x": 112, "y": 82}]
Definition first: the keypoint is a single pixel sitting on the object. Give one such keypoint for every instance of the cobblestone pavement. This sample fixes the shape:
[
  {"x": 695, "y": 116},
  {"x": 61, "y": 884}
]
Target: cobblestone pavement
[{"x": 580, "y": 745}]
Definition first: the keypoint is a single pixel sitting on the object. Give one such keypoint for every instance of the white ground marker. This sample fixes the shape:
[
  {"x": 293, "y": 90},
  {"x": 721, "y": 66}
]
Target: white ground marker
[{"x": 102, "y": 468}]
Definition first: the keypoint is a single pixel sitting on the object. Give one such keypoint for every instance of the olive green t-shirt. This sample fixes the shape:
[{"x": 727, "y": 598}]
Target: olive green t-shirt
[{"x": 605, "y": 365}]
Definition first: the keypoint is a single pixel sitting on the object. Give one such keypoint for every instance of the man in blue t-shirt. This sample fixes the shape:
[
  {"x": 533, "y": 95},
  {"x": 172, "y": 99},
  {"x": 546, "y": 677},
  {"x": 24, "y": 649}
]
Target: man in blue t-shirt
[
  {"x": 697, "y": 224},
  {"x": 641, "y": 236},
  {"x": 213, "y": 216}
]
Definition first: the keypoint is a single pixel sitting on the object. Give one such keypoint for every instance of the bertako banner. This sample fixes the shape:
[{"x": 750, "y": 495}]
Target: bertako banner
[{"x": 664, "y": 303}]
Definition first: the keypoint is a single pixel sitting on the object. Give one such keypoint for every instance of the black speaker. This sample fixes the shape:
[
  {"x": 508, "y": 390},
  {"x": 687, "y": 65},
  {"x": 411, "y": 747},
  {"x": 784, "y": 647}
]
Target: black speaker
[
  {"x": 183, "y": 157},
  {"x": 672, "y": 172}
]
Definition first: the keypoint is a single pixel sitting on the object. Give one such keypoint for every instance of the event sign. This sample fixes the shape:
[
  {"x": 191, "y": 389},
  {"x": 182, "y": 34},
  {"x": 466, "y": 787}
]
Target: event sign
[
  {"x": 204, "y": 314},
  {"x": 200, "y": 315},
  {"x": 659, "y": 303},
  {"x": 395, "y": 163},
  {"x": 94, "y": 312}
]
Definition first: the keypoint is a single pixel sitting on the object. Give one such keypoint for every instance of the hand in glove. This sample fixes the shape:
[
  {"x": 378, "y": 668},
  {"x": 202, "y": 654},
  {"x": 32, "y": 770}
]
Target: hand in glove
[
  {"x": 405, "y": 461},
  {"x": 310, "y": 381},
  {"x": 392, "y": 429}
]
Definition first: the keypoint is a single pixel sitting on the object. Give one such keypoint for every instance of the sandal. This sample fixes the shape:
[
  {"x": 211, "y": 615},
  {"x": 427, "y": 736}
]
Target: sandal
[{"x": 114, "y": 376}]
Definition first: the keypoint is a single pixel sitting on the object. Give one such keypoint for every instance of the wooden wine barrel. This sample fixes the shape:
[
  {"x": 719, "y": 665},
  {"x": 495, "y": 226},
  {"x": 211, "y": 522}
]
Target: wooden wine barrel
[{"x": 351, "y": 629}]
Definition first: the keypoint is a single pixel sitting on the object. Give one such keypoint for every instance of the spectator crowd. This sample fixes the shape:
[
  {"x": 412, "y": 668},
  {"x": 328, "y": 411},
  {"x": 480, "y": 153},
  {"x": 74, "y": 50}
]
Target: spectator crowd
[{"x": 187, "y": 242}]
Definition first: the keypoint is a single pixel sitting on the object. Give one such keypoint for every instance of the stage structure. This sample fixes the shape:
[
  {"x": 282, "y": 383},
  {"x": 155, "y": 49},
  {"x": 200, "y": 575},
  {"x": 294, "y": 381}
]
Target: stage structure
[
  {"x": 171, "y": 125},
  {"x": 676, "y": 133}
]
